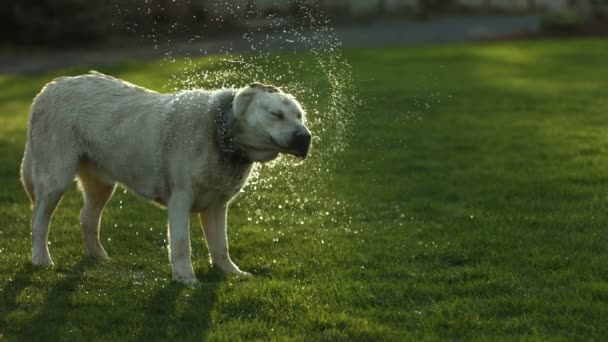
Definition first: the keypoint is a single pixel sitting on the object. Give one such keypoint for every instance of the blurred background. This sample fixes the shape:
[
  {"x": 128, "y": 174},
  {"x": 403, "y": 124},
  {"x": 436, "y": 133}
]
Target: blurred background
[
  {"x": 110, "y": 30},
  {"x": 455, "y": 191}
]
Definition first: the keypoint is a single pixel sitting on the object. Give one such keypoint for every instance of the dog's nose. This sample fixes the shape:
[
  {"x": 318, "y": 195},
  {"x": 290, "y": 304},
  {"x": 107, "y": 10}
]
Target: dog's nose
[{"x": 300, "y": 143}]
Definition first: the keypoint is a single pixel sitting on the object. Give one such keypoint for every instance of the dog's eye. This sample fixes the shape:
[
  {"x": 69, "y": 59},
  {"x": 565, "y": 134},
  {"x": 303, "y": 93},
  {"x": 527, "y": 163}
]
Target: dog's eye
[{"x": 277, "y": 115}]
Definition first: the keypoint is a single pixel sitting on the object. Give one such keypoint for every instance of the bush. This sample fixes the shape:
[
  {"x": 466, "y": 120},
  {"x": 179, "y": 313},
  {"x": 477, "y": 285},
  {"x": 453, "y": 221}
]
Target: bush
[
  {"x": 78, "y": 22},
  {"x": 599, "y": 10},
  {"x": 54, "y": 22},
  {"x": 562, "y": 21}
]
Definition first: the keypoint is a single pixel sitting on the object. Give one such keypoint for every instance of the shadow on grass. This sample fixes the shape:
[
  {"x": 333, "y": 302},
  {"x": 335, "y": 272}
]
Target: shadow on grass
[
  {"x": 20, "y": 281},
  {"x": 49, "y": 321},
  {"x": 180, "y": 312}
]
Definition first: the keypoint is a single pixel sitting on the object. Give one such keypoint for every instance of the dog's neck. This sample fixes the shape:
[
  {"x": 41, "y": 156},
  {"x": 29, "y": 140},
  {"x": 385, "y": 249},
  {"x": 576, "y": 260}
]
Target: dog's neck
[{"x": 229, "y": 150}]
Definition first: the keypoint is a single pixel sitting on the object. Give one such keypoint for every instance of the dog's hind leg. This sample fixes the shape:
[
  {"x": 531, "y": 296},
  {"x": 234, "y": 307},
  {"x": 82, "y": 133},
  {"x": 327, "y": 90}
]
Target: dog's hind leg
[
  {"x": 50, "y": 181},
  {"x": 26, "y": 175},
  {"x": 97, "y": 193}
]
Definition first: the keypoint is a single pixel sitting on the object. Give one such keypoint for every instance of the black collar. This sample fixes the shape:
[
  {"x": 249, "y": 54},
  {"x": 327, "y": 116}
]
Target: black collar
[{"x": 230, "y": 151}]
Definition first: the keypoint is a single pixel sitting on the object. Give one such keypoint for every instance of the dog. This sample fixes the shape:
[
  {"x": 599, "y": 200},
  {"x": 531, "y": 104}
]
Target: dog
[{"x": 190, "y": 151}]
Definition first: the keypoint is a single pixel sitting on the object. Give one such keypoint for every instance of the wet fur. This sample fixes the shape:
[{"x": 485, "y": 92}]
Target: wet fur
[{"x": 106, "y": 131}]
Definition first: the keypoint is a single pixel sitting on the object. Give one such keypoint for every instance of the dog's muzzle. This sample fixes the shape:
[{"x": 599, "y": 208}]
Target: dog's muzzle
[{"x": 300, "y": 143}]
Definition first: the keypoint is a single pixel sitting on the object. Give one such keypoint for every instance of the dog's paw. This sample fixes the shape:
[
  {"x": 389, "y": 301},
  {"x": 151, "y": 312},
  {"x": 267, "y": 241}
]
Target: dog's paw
[
  {"x": 239, "y": 274},
  {"x": 98, "y": 259},
  {"x": 98, "y": 254},
  {"x": 242, "y": 274},
  {"x": 42, "y": 262},
  {"x": 186, "y": 280},
  {"x": 232, "y": 269}
]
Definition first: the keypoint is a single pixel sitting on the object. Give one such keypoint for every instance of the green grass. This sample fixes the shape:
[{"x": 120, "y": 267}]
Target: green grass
[{"x": 471, "y": 204}]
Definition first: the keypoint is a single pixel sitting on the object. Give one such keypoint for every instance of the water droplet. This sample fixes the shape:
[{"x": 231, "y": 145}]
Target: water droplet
[{"x": 329, "y": 98}]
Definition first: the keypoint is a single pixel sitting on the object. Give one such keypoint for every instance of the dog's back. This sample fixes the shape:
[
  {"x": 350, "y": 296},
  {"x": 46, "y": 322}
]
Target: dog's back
[{"x": 99, "y": 119}]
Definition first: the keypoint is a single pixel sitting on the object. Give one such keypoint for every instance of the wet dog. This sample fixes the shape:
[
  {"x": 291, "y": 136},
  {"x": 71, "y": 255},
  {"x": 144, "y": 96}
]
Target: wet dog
[{"x": 189, "y": 151}]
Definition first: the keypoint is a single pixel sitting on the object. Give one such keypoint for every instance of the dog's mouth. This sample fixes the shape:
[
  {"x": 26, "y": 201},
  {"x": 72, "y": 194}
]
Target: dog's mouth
[
  {"x": 298, "y": 149},
  {"x": 276, "y": 148}
]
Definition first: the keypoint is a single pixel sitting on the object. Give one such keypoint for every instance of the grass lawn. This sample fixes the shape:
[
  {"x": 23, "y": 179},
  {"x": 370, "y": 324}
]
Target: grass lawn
[{"x": 470, "y": 204}]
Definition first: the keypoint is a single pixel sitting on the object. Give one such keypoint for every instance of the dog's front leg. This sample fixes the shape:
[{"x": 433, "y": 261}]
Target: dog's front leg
[
  {"x": 213, "y": 220},
  {"x": 179, "y": 206}
]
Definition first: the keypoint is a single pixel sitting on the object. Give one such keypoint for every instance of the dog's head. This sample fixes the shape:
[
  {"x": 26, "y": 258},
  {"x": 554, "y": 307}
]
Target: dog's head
[{"x": 268, "y": 122}]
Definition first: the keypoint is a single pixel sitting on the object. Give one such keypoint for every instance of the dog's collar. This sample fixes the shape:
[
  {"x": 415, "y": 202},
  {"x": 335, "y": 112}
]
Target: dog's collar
[{"x": 230, "y": 151}]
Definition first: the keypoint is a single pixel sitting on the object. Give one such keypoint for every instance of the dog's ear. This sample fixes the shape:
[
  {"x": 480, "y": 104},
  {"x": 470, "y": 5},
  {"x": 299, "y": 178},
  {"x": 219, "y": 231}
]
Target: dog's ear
[
  {"x": 245, "y": 95},
  {"x": 265, "y": 87},
  {"x": 241, "y": 101}
]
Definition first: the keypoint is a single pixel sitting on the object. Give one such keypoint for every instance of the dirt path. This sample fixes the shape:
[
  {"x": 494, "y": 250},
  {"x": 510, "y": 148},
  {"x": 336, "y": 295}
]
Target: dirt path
[{"x": 381, "y": 33}]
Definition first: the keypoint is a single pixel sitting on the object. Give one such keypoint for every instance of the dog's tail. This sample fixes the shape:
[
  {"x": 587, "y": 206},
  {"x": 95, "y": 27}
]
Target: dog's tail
[{"x": 26, "y": 174}]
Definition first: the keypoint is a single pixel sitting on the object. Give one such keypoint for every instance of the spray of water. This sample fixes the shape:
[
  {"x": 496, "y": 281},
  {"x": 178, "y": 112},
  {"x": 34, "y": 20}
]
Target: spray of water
[{"x": 303, "y": 58}]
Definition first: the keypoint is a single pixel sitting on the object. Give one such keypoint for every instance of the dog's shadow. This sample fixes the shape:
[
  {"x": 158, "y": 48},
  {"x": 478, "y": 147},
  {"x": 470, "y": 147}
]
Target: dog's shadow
[
  {"x": 180, "y": 312},
  {"x": 173, "y": 312},
  {"x": 54, "y": 309}
]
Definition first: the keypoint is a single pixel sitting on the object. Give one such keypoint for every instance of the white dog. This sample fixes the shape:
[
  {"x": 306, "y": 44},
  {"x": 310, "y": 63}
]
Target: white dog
[{"x": 190, "y": 151}]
